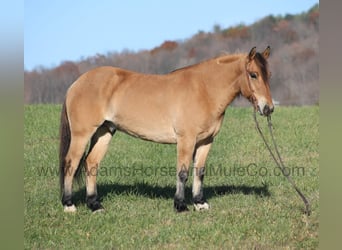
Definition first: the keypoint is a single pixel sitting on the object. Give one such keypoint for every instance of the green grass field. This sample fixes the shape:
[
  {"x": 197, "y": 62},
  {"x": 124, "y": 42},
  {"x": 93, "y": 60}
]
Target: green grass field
[{"x": 252, "y": 205}]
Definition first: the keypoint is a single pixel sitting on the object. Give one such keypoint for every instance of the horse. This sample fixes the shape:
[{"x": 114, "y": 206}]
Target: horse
[{"x": 185, "y": 107}]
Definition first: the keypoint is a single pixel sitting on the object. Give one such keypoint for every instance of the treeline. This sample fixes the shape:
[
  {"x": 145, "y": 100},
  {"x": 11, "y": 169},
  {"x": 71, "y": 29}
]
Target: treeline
[{"x": 294, "y": 58}]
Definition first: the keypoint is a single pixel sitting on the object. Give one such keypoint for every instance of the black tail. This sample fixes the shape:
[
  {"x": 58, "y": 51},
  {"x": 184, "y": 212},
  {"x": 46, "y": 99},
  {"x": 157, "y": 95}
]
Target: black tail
[{"x": 65, "y": 138}]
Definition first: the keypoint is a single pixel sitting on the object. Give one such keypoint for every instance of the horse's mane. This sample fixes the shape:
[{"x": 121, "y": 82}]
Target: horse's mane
[{"x": 228, "y": 58}]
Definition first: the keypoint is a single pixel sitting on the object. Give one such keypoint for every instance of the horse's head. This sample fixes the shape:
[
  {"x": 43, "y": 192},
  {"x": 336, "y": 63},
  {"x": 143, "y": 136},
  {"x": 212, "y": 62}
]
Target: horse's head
[{"x": 257, "y": 88}]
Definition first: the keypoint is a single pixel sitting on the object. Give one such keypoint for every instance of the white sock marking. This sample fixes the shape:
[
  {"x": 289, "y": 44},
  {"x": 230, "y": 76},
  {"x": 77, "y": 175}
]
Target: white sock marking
[
  {"x": 199, "y": 207},
  {"x": 70, "y": 209}
]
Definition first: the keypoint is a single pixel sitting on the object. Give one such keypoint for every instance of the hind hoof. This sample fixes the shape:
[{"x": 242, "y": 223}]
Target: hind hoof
[
  {"x": 95, "y": 206},
  {"x": 70, "y": 209}
]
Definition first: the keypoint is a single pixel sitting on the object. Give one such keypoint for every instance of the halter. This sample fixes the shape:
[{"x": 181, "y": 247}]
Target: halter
[{"x": 252, "y": 97}]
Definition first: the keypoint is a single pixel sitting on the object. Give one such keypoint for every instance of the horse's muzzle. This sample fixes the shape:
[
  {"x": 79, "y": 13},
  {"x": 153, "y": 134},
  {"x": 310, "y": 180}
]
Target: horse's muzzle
[{"x": 267, "y": 110}]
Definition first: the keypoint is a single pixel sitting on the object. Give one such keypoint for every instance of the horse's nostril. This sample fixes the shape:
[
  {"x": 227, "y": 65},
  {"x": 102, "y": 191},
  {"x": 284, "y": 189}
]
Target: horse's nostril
[
  {"x": 272, "y": 109},
  {"x": 267, "y": 110}
]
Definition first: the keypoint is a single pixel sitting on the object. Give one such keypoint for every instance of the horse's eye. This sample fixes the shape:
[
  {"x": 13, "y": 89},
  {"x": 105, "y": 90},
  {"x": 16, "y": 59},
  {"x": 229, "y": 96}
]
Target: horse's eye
[{"x": 253, "y": 75}]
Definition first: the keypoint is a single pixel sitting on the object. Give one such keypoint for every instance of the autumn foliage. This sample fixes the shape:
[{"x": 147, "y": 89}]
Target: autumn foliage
[{"x": 293, "y": 62}]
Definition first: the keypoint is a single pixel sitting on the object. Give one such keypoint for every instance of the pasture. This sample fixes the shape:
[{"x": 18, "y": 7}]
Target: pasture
[{"x": 252, "y": 204}]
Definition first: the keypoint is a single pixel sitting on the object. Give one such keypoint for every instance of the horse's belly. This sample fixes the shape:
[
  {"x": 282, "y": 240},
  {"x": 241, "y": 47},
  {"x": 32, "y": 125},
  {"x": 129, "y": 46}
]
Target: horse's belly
[
  {"x": 147, "y": 130},
  {"x": 155, "y": 136}
]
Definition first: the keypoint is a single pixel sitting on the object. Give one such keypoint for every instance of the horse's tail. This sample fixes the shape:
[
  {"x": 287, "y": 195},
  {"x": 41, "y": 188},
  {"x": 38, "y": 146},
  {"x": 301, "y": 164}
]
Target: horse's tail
[{"x": 65, "y": 138}]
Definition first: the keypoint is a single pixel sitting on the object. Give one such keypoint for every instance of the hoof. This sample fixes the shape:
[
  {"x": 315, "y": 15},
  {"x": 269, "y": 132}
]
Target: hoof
[
  {"x": 95, "y": 207},
  {"x": 70, "y": 209},
  {"x": 200, "y": 207},
  {"x": 98, "y": 211},
  {"x": 180, "y": 206},
  {"x": 182, "y": 209}
]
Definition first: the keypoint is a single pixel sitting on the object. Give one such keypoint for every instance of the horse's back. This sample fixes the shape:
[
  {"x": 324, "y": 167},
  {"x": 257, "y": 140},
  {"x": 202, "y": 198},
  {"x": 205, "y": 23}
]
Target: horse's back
[{"x": 98, "y": 80}]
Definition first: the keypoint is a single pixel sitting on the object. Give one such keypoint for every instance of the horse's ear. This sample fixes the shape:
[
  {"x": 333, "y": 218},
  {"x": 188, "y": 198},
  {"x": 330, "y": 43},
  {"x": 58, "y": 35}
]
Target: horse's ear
[
  {"x": 252, "y": 54},
  {"x": 266, "y": 52}
]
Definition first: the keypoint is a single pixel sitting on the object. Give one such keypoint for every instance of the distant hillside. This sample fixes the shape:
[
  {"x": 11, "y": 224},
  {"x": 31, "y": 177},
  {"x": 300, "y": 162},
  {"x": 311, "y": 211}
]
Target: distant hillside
[{"x": 294, "y": 58}]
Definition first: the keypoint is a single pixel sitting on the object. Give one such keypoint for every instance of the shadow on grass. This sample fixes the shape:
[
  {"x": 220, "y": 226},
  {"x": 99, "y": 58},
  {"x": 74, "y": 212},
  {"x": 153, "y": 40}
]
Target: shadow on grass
[{"x": 167, "y": 192}]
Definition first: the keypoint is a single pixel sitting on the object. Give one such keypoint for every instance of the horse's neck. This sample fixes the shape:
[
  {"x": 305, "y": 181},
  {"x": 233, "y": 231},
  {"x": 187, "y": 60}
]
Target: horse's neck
[{"x": 224, "y": 81}]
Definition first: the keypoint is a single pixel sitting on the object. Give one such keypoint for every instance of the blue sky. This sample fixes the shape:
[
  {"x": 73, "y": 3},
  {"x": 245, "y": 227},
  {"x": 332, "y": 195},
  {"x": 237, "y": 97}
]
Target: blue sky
[{"x": 57, "y": 31}]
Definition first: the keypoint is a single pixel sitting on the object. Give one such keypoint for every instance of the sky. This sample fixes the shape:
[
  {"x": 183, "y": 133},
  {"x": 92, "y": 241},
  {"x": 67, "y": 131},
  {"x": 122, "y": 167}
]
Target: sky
[{"x": 64, "y": 30}]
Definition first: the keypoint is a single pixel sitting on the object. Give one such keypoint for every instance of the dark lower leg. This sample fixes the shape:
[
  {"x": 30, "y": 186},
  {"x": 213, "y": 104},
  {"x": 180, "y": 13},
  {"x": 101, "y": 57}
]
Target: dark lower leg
[
  {"x": 67, "y": 186},
  {"x": 92, "y": 200},
  {"x": 93, "y": 203},
  {"x": 67, "y": 199},
  {"x": 179, "y": 200}
]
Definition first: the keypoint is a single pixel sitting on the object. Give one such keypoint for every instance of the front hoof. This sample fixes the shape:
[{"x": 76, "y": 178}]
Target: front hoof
[
  {"x": 70, "y": 209},
  {"x": 100, "y": 210},
  {"x": 201, "y": 206},
  {"x": 95, "y": 207},
  {"x": 180, "y": 206}
]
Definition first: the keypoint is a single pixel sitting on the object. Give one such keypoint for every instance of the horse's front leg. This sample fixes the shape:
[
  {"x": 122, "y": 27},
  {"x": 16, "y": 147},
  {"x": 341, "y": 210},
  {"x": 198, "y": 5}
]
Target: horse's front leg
[
  {"x": 200, "y": 157},
  {"x": 185, "y": 149}
]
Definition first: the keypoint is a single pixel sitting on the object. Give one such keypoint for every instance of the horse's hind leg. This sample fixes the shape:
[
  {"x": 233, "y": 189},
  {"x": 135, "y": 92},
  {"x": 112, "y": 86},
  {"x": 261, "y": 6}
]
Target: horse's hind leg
[
  {"x": 200, "y": 157},
  {"x": 76, "y": 150},
  {"x": 98, "y": 148}
]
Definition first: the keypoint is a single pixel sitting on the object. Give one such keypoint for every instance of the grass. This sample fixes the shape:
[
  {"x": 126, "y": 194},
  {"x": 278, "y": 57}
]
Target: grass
[{"x": 253, "y": 206}]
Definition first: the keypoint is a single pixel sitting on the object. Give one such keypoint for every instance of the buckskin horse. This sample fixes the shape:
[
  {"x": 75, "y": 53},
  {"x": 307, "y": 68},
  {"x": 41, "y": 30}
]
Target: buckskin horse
[{"x": 185, "y": 107}]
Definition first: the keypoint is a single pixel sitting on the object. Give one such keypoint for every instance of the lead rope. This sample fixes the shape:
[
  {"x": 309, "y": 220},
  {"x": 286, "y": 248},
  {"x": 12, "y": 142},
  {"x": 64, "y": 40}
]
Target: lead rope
[{"x": 280, "y": 163}]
